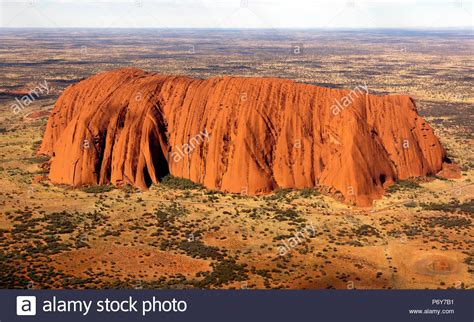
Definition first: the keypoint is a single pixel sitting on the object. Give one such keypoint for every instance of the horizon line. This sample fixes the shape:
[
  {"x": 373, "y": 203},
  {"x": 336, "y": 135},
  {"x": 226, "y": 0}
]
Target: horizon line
[{"x": 254, "y": 28}]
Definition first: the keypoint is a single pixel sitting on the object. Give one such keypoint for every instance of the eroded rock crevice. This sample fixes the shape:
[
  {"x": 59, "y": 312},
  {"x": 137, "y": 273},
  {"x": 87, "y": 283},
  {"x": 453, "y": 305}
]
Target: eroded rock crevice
[{"x": 265, "y": 133}]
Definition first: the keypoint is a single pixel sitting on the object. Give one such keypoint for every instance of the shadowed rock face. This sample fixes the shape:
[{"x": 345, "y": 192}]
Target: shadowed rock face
[{"x": 233, "y": 134}]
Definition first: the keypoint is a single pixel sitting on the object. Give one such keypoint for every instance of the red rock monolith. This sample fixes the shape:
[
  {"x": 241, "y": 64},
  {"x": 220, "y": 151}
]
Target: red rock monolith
[{"x": 235, "y": 134}]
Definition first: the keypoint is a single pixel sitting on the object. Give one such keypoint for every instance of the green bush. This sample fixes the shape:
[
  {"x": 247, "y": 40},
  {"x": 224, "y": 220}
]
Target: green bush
[
  {"x": 179, "y": 183},
  {"x": 197, "y": 249},
  {"x": 309, "y": 192},
  {"x": 453, "y": 206},
  {"x": 403, "y": 185},
  {"x": 38, "y": 159},
  {"x": 98, "y": 189},
  {"x": 279, "y": 194}
]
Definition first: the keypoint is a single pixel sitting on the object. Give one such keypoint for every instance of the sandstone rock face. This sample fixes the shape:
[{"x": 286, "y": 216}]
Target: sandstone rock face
[{"x": 239, "y": 135}]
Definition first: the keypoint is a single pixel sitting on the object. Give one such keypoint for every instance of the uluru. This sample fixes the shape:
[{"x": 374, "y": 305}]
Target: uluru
[{"x": 237, "y": 135}]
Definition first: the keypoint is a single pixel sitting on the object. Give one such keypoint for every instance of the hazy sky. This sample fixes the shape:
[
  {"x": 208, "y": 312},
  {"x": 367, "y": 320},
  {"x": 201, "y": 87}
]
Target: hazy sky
[{"x": 237, "y": 13}]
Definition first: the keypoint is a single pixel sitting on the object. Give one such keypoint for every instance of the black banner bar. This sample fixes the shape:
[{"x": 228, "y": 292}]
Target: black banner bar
[{"x": 237, "y": 305}]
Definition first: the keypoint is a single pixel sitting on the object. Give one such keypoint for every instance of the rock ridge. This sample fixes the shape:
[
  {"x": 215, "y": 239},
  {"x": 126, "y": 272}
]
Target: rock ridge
[{"x": 237, "y": 135}]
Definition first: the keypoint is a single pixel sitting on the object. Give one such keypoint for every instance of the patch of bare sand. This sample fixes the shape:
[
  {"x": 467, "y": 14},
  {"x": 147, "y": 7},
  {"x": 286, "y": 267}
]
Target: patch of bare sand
[
  {"x": 4, "y": 222},
  {"x": 146, "y": 263},
  {"x": 350, "y": 268},
  {"x": 419, "y": 268}
]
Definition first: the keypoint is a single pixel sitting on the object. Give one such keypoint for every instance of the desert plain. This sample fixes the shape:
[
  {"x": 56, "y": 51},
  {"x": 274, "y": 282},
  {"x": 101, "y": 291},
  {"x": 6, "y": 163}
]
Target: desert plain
[{"x": 178, "y": 234}]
